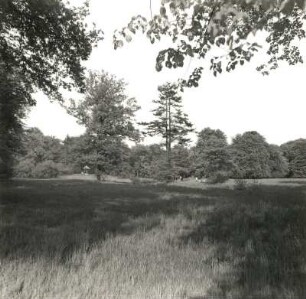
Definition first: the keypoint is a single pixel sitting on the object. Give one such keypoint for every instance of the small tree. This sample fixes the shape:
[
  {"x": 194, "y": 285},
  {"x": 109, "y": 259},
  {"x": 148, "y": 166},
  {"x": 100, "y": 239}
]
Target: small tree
[{"x": 170, "y": 122}]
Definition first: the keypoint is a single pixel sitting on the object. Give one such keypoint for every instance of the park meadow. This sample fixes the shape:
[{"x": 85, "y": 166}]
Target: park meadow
[
  {"x": 152, "y": 149},
  {"x": 89, "y": 239}
]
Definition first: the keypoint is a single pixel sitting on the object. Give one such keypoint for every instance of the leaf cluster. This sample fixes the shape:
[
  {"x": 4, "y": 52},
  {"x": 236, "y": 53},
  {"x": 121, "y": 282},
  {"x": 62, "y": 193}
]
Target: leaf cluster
[
  {"x": 199, "y": 27},
  {"x": 44, "y": 41}
]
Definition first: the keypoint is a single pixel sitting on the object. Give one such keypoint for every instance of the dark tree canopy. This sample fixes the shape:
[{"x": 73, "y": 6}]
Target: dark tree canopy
[
  {"x": 278, "y": 162},
  {"x": 212, "y": 159},
  {"x": 210, "y": 139},
  {"x": 251, "y": 156},
  {"x": 42, "y": 46},
  {"x": 40, "y": 156},
  {"x": 44, "y": 42},
  {"x": 12, "y": 109},
  {"x": 181, "y": 161},
  {"x": 295, "y": 152}
]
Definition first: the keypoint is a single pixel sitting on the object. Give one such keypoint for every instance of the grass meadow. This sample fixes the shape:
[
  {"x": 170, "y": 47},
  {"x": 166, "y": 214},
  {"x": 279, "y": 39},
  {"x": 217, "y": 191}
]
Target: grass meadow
[{"x": 84, "y": 239}]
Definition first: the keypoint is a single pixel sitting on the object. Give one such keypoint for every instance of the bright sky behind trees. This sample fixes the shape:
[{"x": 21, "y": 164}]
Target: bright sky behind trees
[{"x": 234, "y": 102}]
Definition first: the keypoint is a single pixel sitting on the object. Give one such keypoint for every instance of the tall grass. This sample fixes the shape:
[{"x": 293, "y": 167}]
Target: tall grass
[{"x": 73, "y": 239}]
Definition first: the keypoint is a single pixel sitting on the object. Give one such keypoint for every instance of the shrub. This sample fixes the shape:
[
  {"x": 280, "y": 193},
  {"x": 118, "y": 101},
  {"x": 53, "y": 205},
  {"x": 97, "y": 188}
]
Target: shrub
[
  {"x": 165, "y": 176},
  {"x": 45, "y": 170},
  {"x": 24, "y": 169},
  {"x": 218, "y": 177},
  {"x": 64, "y": 169},
  {"x": 48, "y": 169}
]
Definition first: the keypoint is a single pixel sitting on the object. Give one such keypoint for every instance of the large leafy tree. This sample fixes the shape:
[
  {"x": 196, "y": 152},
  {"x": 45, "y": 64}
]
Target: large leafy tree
[
  {"x": 12, "y": 109},
  {"x": 278, "y": 163},
  {"x": 199, "y": 27},
  {"x": 42, "y": 46},
  {"x": 38, "y": 147},
  {"x": 251, "y": 156},
  {"x": 40, "y": 155},
  {"x": 77, "y": 152},
  {"x": 140, "y": 160},
  {"x": 212, "y": 158},
  {"x": 170, "y": 122},
  {"x": 44, "y": 42},
  {"x": 148, "y": 161},
  {"x": 295, "y": 152},
  {"x": 108, "y": 115}
]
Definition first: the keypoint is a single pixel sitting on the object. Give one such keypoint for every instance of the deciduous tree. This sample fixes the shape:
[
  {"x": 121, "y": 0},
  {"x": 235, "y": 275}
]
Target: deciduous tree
[
  {"x": 278, "y": 164},
  {"x": 40, "y": 156},
  {"x": 251, "y": 156},
  {"x": 212, "y": 159},
  {"x": 108, "y": 115},
  {"x": 295, "y": 152},
  {"x": 42, "y": 46}
]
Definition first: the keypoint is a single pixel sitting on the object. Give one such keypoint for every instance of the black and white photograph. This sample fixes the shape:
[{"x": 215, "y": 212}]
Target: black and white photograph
[{"x": 152, "y": 149}]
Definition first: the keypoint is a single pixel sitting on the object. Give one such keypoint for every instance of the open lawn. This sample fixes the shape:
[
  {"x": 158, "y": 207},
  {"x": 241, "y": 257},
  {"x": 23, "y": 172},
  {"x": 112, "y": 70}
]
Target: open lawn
[{"x": 85, "y": 239}]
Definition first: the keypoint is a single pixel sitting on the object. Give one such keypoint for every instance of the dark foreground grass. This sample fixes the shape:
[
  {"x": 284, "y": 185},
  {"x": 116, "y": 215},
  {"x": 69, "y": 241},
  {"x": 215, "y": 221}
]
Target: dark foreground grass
[{"x": 83, "y": 239}]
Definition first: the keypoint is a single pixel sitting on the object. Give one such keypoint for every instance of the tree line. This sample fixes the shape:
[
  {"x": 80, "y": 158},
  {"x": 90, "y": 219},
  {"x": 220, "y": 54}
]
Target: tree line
[
  {"x": 43, "y": 44},
  {"x": 109, "y": 117},
  {"x": 248, "y": 156}
]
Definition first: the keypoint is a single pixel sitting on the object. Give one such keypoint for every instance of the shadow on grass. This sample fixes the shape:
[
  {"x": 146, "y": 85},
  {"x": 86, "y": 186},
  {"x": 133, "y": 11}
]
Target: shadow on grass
[
  {"x": 295, "y": 182},
  {"x": 258, "y": 235},
  {"x": 52, "y": 219},
  {"x": 261, "y": 233}
]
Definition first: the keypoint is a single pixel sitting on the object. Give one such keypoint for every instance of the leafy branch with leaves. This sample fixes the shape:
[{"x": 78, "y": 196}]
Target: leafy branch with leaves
[{"x": 199, "y": 27}]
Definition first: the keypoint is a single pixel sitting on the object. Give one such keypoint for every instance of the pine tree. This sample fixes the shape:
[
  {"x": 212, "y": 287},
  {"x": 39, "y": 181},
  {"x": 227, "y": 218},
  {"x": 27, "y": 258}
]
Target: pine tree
[{"x": 170, "y": 122}]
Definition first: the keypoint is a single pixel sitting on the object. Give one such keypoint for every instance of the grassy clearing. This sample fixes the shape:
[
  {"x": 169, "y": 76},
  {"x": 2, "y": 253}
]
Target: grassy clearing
[{"x": 83, "y": 239}]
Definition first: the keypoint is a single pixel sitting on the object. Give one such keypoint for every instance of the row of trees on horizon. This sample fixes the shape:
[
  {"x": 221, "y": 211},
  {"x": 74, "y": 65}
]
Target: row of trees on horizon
[
  {"x": 48, "y": 56},
  {"x": 248, "y": 156},
  {"x": 109, "y": 117}
]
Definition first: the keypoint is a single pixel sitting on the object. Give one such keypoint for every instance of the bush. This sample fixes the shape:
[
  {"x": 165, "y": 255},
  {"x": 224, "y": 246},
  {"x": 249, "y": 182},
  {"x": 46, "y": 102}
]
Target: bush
[
  {"x": 218, "y": 177},
  {"x": 24, "y": 169},
  {"x": 64, "y": 169},
  {"x": 45, "y": 170},
  {"x": 165, "y": 176},
  {"x": 48, "y": 169}
]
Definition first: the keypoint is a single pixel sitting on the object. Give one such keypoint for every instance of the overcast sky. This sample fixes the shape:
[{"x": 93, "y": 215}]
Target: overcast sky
[{"x": 234, "y": 102}]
